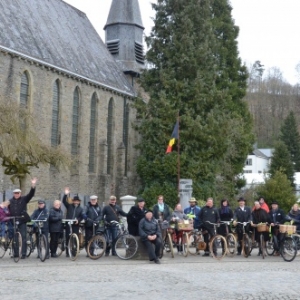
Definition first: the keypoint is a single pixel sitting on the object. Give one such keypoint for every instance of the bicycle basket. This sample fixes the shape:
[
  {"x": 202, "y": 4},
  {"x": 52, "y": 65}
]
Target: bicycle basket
[
  {"x": 201, "y": 245},
  {"x": 262, "y": 228},
  {"x": 164, "y": 225}
]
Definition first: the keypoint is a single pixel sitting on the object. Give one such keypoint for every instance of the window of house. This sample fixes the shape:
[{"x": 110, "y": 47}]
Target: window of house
[
  {"x": 93, "y": 124},
  {"x": 249, "y": 162},
  {"x": 247, "y": 171}
]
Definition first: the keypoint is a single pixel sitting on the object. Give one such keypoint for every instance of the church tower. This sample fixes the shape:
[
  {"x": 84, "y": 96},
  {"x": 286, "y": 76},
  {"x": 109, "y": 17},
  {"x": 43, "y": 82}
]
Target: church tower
[{"x": 124, "y": 35}]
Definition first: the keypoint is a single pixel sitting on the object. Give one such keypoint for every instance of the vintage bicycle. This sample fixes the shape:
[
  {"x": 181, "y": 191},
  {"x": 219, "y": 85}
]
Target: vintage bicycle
[
  {"x": 97, "y": 244},
  {"x": 230, "y": 239},
  {"x": 246, "y": 240},
  {"x": 41, "y": 240}
]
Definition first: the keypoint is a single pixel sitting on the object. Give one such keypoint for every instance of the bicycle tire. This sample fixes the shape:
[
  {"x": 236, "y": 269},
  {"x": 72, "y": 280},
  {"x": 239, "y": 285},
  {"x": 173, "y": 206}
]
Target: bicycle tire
[
  {"x": 215, "y": 246},
  {"x": 17, "y": 245},
  {"x": 126, "y": 246},
  {"x": 231, "y": 244},
  {"x": 30, "y": 246},
  {"x": 193, "y": 245},
  {"x": 42, "y": 247},
  {"x": 270, "y": 246},
  {"x": 73, "y": 246},
  {"x": 170, "y": 244},
  {"x": 185, "y": 244},
  {"x": 262, "y": 245},
  {"x": 288, "y": 249},
  {"x": 246, "y": 245},
  {"x": 96, "y": 247},
  {"x": 60, "y": 247},
  {"x": 4, "y": 245},
  {"x": 296, "y": 238}
]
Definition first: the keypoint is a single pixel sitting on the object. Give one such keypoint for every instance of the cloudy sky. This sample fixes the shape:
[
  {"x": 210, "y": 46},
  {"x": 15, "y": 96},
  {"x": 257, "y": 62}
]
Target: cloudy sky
[{"x": 269, "y": 29}]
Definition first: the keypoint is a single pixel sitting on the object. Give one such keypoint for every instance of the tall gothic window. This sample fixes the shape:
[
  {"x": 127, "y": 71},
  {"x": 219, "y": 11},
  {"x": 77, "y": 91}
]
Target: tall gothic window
[
  {"x": 24, "y": 94},
  {"x": 75, "y": 122},
  {"x": 110, "y": 129},
  {"x": 93, "y": 125},
  {"x": 55, "y": 130},
  {"x": 126, "y": 133}
]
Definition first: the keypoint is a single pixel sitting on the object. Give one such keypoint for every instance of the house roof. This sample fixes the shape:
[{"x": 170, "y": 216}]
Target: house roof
[{"x": 56, "y": 33}]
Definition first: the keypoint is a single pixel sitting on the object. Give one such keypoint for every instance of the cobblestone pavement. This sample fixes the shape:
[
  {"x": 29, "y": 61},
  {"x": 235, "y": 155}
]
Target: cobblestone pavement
[{"x": 193, "y": 277}]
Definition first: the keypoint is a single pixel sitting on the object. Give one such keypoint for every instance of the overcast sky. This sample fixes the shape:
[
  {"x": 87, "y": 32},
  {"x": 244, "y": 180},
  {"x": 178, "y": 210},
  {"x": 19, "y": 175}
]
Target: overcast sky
[{"x": 269, "y": 29}]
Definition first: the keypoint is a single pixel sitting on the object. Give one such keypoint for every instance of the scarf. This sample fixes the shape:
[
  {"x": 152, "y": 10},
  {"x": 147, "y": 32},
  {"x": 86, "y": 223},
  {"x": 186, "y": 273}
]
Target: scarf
[{"x": 161, "y": 207}]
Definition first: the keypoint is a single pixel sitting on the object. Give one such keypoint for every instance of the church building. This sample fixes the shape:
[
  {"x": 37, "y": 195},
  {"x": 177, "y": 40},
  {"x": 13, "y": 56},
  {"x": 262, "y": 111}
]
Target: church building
[{"x": 79, "y": 89}]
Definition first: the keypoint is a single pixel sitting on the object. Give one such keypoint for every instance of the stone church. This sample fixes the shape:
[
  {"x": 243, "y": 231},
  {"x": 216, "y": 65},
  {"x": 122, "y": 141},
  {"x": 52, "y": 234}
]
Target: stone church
[{"x": 79, "y": 89}]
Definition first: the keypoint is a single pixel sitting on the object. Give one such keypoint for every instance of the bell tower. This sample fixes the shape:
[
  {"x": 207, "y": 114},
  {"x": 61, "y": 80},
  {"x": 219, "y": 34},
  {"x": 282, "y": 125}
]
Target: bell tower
[{"x": 124, "y": 35}]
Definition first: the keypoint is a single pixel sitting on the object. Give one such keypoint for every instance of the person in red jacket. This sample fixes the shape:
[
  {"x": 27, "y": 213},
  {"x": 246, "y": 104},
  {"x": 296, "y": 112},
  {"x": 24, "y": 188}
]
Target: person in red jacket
[{"x": 263, "y": 205}]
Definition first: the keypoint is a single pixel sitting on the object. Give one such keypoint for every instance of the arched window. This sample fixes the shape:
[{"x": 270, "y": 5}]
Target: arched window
[
  {"x": 110, "y": 131},
  {"x": 126, "y": 133},
  {"x": 55, "y": 130},
  {"x": 24, "y": 94},
  {"x": 93, "y": 126},
  {"x": 75, "y": 122}
]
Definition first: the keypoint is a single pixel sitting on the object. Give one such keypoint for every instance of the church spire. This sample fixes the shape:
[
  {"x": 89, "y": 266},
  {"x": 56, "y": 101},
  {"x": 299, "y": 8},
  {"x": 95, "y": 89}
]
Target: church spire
[{"x": 124, "y": 35}]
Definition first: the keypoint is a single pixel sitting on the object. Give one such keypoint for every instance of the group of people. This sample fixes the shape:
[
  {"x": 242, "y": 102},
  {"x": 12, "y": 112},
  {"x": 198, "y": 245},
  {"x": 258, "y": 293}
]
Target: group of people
[{"x": 141, "y": 221}]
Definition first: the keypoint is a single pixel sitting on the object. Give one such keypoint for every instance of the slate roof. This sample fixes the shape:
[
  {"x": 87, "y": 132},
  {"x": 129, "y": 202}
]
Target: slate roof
[
  {"x": 58, "y": 34},
  {"x": 126, "y": 12}
]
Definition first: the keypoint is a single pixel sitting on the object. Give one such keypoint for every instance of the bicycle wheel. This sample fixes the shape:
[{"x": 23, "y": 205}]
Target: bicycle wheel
[
  {"x": 262, "y": 245},
  {"x": 73, "y": 246},
  {"x": 246, "y": 245},
  {"x": 296, "y": 238},
  {"x": 270, "y": 247},
  {"x": 17, "y": 246},
  {"x": 185, "y": 244},
  {"x": 30, "y": 245},
  {"x": 96, "y": 247},
  {"x": 3, "y": 246},
  {"x": 126, "y": 246},
  {"x": 193, "y": 245},
  {"x": 231, "y": 244},
  {"x": 216, "y": 246},
  {"x": 288, "y": 249},
  {"x": 169, "y": 245},
  {"x": 42, "y": 247}
]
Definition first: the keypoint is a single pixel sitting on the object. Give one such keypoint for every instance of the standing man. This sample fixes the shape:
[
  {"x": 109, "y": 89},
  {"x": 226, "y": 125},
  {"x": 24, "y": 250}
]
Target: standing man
[
  {"x": 135, "y": 215},
  {"x": 17, "y": 208},
  {"x": 74, "y": 212},
  {"x": 277, "y": 217},
  {"x": 55, "y": 226},
  {"x": 112, "y": 212},
  {"x": 42, "y": 213},
  {"x": 208, "y": 214},
  {"x": 241, "y": 214},
  {"x": 193, "y": 212},
  {"x": 161, "y": 210},
  {"x": 91, "y": 214},
  {"x": 150, "y": 235}
]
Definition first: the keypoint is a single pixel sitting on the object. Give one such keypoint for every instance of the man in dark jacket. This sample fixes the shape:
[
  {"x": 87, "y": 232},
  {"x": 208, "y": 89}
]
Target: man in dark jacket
[
  {"x": 17, "y": 208},
  {"x": 42, "y": 213},
  {"x": 91, "y": 214},
  {"x": 161, "y": 210},
  {"x": 150, "y": 235},
  {"x": 208, "y": 214},
  {"x": 74, "y": 212},
  {"x": 242, "y": 214},
  {"x": 112, "y": 212},
  {"x": 135, "y": 215},
  {"x": 277, "y": 217},
  {"x": 55, "y": 226}
]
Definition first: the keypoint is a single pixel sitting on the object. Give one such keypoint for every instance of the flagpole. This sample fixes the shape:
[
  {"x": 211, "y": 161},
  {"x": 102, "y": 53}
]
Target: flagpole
[{"x": 178, "y": 159}]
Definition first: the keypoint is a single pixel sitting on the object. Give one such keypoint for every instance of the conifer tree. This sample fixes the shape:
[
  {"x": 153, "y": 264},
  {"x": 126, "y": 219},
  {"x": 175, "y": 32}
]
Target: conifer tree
[{"x": 194, "y": 72}]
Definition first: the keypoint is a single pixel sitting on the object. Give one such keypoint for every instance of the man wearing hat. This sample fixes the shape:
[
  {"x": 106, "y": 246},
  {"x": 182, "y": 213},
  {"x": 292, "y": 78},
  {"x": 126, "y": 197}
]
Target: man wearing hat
[
  {"x": 135, "y": 215},
  {"x": 149, "y": 232},
  {"x": 92, "y": 215},
  {"x": 193, "y": 212},
  {"x": 241, "y": 214},
  {"x": 74, "y": 212},
  {"x": 42, "y": 213},
  {"x": 17, "y": 208},
  {"x": 277, "y": 216}
]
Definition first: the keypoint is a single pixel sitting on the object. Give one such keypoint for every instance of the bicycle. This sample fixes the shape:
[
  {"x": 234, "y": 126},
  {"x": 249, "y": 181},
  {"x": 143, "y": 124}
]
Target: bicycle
[
  {"x": 230, "y": 239},
  {"x": 288, "y": 246},
  {"x": 30, "y": 240},
  {"x": 216, "y": 242},
  {"x": 73, "y": 244},
  {"x": 246, "y": 241},
  {"x": 12, "y": 241},
  {"x": 167, "y": 243},
  {"x": 96, "y": 245},
  {"x": 261, "y": 228},
  {"x": 196, "y": 242},
  {"x": 296, "y": 238},
  {"x": 41, "y": 240},
  {"x": 126, "y": 245}
]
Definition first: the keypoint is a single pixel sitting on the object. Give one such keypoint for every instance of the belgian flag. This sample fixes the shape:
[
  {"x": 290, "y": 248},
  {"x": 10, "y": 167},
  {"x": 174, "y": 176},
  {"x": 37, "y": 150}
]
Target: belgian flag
[{"x": 174, "y": 136}]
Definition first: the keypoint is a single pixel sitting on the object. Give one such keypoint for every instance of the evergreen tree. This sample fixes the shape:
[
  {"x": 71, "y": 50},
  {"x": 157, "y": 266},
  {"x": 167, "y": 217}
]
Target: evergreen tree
[
  {"x": 291, "y": 137},
  {"x": 195, "y": 70},
  {"x": 278, "y": 188},
  {"x": 281, "y": 161}
]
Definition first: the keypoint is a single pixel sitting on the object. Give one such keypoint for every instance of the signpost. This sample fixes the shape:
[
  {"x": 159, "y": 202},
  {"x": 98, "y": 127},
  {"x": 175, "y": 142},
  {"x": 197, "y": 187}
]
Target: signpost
[{"x": 185, "y": 191}]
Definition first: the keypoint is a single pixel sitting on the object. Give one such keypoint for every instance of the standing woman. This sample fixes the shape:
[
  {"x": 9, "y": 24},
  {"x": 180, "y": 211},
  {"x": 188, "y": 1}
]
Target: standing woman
[
  {"x": 135, "y": 215},
  {"x": 55, "y": 226},
  {"x": 226, "y": 214}
]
